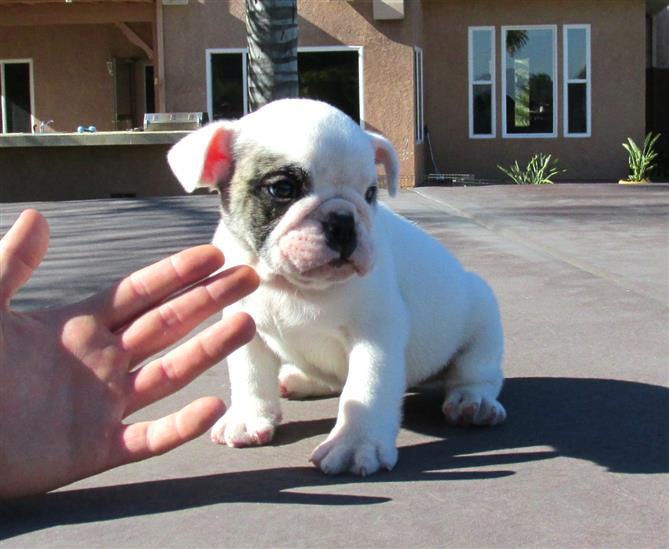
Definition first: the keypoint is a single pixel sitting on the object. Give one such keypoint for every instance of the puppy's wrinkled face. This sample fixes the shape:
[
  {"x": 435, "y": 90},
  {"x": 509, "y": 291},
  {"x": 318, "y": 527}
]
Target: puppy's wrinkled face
[{"x": 298, "y": 181}]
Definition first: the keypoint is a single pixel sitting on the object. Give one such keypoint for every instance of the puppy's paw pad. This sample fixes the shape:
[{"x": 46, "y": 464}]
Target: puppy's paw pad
[{"x": 466, "y": 406}]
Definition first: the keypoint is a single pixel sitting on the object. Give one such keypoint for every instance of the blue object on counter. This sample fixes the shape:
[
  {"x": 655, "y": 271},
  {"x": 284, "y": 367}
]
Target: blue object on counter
[{"x": 85, "y": 129}]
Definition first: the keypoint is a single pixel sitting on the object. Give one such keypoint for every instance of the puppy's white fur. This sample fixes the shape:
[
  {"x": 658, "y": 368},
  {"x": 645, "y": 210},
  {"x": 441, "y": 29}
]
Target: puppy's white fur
[{"x": 396, "y": 313}]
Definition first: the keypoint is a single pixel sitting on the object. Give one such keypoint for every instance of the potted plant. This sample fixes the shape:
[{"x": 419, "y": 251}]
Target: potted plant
[
  {"x": 641, "y": 161},
  {"x": 540, "y": 170}
]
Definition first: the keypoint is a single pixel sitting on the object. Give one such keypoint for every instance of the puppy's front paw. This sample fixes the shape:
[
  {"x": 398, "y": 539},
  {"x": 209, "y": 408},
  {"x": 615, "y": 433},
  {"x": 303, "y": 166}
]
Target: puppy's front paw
[
  {"x": 472, "y": 405},
  {"x": 239, "y": 430},
  {"x": 360, "y": 455}
]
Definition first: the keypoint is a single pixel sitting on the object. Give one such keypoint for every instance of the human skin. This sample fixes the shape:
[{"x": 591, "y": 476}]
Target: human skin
[{"x": 69, "y": 376}]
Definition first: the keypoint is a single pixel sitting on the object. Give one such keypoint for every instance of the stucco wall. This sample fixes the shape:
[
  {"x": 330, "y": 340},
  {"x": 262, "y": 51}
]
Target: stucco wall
[
  {"x": 76, "y": 173},
  {"x": 618, "y": 83},
  {"x": 388, "y": 57}
]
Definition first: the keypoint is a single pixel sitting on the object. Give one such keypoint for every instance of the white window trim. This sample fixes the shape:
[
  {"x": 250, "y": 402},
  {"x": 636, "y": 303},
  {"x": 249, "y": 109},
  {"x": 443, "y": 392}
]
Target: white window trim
[
  {"x": 361, "y": 70},
  {"x": 491, "y": 82},
  {"x": 554, "y": 134},
  {"x": 244, "y": 52},
  {"x": 420, "y": 95},
  {"x": 213, "y": 51},
  {"x": 566, "y": 81},
  {"x": 3, "y": 101}
]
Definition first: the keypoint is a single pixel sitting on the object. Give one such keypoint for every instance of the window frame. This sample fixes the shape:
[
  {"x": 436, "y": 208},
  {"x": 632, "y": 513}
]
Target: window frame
[
  {"x": 419, "y": 85},
  {"x": 554, "y": 133},
  {"x": 566, "y": 80},
  {"x": 3, "y": 101},
  {"x": 492, "y": 82}
]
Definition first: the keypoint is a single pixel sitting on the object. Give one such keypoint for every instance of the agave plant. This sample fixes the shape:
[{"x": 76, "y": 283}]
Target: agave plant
[
  {"x": 641, "y": 161},
  {"x": 540, "y": 170}
]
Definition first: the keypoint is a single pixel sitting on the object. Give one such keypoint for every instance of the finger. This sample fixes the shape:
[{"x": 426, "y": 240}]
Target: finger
[
  {"x": 176, "y": 369},
  {"x": 145, "y": 288},
  {"x": 173, "y": 319},
  {"x": 21, "y": 251},
  {"x": 151, "y": 438}
]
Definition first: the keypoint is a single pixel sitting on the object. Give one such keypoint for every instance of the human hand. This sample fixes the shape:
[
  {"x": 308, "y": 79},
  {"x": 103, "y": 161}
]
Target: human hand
[{"x": 66, "y": 375}]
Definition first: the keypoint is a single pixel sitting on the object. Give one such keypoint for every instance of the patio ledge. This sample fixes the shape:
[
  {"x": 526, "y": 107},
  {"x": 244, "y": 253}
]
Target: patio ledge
[{"x": 90, "y": 139}]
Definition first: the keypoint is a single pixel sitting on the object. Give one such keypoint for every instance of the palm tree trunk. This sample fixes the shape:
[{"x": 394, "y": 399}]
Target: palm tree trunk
[{"x": 271, "y": 26}]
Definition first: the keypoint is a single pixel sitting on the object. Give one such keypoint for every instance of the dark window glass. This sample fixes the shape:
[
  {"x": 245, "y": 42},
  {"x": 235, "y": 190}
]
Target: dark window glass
[
  {"x": 17, "y": 97},
  {"x": 149, "y": 89},
  {"x": 227, "y": 82},
  {"x": 578, "y": 122},
  {"x": 331, "y": 76},
  {"x": 482, "y": 109}
]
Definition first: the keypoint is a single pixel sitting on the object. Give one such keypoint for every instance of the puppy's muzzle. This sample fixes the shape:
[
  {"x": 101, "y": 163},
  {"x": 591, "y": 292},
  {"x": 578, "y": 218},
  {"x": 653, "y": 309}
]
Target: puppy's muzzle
[{"x": 339, "y": 230}]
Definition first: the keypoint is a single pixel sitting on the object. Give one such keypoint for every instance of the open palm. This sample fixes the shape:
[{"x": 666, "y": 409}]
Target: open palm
[{"x": 69, "y": 376}]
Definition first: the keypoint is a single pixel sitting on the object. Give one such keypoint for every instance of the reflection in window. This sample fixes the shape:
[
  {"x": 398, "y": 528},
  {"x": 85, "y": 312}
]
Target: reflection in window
[
  {"x": 577, "y": 80},
  {"x": 482, "y": 82},
  {"x": 529, "y": 76}
]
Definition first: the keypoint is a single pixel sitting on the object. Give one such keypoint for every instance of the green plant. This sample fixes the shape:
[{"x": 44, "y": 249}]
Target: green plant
[
  {"x": 540, "y": 170},
  {"x": 641, "y": 161}
]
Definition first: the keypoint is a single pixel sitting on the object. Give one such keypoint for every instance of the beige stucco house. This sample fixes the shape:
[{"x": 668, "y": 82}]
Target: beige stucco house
[{"x": 459, "y": 86}]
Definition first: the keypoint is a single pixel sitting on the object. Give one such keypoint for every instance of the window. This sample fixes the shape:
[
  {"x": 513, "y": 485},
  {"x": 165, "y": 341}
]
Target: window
[
  {"x": 227, "y": 90},
  {"x": 482, "y": 111},
  {"x": 418, "y": 79},
  {"x": 16, "y": 96},
  {"x": 332, "y": 74},
  {"x": 576, "y": 93},
  {"x": 529, "y": 67}
]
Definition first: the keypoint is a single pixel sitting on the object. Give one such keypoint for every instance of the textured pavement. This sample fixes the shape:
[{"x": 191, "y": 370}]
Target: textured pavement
[{"x": 582, "y": 275}]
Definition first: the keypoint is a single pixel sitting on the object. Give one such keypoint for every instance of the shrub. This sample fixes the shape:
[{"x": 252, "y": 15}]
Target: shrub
[
  {"x": 641, "y": 161},
  {"x": 540, "y": 170}
]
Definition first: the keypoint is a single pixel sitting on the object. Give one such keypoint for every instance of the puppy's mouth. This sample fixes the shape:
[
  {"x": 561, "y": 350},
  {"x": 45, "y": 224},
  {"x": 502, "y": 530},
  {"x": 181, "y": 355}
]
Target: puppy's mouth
[
  {"x": 336, "y": 263},
  {"x": 334, "y": 270}
]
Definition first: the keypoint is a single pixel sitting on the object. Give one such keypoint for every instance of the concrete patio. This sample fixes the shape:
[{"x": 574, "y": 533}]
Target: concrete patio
[{"x": 582, "y": 274}]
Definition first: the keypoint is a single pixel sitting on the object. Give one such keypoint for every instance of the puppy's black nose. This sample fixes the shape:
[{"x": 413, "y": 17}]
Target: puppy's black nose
[{"x": 340, "y": 234}]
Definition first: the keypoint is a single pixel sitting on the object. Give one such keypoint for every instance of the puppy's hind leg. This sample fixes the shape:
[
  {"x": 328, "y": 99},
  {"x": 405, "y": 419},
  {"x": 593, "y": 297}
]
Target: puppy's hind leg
[
  {"x": 296, "y": 384},
  {"x": 474, "y": 379}
]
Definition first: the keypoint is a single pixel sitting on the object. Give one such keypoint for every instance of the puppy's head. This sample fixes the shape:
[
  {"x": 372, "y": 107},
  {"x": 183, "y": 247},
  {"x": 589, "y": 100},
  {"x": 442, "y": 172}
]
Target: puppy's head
[{"x": 298, "y": 182}]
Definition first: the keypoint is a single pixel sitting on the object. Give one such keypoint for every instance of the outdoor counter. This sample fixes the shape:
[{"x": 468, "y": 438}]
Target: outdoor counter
[
  {"x": 75, "y": 166},
  {"x": 53, "y": 139}
]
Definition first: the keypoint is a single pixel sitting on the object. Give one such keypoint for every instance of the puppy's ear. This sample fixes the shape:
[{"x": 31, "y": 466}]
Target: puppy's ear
[
  {"x": 384, "y": 153},
  {"x": 204, "y": 158}
]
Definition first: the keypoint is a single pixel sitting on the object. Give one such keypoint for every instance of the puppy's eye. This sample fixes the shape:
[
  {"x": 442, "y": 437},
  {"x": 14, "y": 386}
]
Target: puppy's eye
[
  {"x": 370, "y": 194},
  {"x": 284, "y": 189}
]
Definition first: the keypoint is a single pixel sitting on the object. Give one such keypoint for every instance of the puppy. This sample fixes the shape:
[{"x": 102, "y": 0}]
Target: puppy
[{"x": 354, "y": 299}]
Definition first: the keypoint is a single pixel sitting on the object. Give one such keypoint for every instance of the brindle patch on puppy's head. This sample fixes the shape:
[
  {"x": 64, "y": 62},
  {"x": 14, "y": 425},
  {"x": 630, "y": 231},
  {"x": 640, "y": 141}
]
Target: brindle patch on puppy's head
[{"x": 262, "y": 189}]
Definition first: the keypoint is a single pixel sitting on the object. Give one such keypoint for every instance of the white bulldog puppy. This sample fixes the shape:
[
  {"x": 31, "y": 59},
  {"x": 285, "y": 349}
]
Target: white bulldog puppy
[{"x": 354, "y": 299}]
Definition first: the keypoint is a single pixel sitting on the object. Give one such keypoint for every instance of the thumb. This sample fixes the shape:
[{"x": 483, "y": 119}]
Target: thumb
[{"x": 21, "y": 251}]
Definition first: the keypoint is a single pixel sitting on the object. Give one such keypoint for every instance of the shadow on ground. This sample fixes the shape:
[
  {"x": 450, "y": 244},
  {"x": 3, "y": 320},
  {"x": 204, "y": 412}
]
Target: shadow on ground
[{"x": 618, "y": 425}]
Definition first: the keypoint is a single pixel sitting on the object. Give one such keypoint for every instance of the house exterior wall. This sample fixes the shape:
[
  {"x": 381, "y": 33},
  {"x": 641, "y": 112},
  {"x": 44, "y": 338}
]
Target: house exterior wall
[
  {"x": 618, "y": 84},
  {"x": 388, "y": 58},
  {"x": 69, "y": 45}
]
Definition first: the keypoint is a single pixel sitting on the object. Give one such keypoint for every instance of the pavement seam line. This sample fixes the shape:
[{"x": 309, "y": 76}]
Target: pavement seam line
[{"x": 619, "y": 281}]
